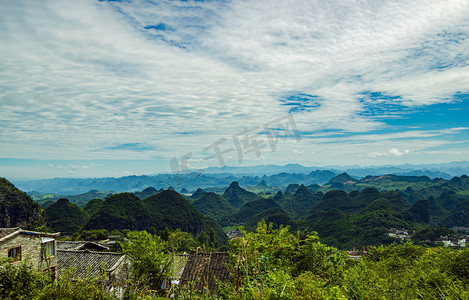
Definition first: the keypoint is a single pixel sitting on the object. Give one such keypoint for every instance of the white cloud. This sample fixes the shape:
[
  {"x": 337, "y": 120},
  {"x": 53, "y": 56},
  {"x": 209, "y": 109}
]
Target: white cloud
[
  {"x": 377, "y": 154},
  {"x": 77, "y": 77},
  {"x": 298, "y": 152},
  {"x": 396, "y": 152}
]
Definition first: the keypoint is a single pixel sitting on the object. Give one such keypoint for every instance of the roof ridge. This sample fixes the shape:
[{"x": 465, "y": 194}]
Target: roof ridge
[
  {"x": 88, "y": 251},
  {"x": 118, "y": 262},
  {"x": 10, "y": 232}
]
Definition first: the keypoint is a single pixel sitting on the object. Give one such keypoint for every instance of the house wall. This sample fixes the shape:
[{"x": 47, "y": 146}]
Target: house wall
[
  {"x": 30, "y": 250},
  {"x": 119, "y": 275}
]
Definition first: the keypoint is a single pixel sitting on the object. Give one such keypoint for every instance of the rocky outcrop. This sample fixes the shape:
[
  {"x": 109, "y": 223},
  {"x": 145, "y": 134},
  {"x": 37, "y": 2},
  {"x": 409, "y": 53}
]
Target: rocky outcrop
[{"x": 17, "y": 209}]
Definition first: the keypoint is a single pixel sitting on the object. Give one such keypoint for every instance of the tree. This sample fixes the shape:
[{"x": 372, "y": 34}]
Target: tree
[
  {"x": 212, "y": 238},
  {"x": 150, "y": 263},
  {"x": 202, "y": 238},
  {"x": 180, "y": 241}
]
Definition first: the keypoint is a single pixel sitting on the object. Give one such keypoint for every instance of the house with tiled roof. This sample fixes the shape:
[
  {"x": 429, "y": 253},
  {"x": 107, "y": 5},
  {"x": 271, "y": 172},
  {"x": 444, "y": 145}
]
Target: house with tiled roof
[
  {"x": 204, "y": 268},
  {"x": 178, "y": 263},
  {"x": 36, "y": 248},
  {"x": 80, "y": 264},
  {"x": 81, "y": 245}
]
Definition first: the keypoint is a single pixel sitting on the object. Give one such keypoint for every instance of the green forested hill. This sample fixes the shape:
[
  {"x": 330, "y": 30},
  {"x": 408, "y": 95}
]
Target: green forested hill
[
  {"x": 419, "y": 212},
  {"x": 254, "y": 207},
  {"x": 364, "y": 218},
  {"x": 198, "y": 193},
  {"x": 149, "y": 191},
  {"x": 17, "y": 208},
  {"x": 214, "y": 206},
  {"x": 169, "y": 209},
  {"x": 291, "y": 189},
  {"x": 348, "y": 203},
  {"x": 92, "y": 207},
  {"x": 275, "y": 215},
  {"x": 458, "y": 216},
  {"x": 360, "y": 213},
  {"x": 262, "y": 185},
  {"x": 300, "y": 201},
  {"x": 279, "y": 197},
  {"x": 121, "y": 211},
  {"x": 65, "y": 217},
  {"x": 341, "y": 178},
  {"x": 237, "y": 196},
  {"x": 334, "y": 199}
]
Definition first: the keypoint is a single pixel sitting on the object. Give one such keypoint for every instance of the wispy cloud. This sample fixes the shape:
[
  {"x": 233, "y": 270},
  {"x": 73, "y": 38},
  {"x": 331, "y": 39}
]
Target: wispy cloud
[
  {"x": 119, "y": 79},
  {"x": 393, "y": 152},
  {"x": 132, "y": 146}
]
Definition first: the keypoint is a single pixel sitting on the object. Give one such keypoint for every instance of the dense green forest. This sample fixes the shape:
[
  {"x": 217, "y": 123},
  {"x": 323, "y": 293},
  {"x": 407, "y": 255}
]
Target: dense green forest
[{"x": 346, "y": 212}]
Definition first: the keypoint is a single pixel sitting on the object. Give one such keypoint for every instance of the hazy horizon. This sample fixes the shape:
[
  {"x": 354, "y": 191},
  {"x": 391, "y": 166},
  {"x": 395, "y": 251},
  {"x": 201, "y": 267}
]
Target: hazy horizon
[{"x": 270, "y": 169}]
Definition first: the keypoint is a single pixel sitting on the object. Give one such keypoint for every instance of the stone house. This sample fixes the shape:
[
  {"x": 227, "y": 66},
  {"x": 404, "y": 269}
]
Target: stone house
[{"x": 36, "y": 248}]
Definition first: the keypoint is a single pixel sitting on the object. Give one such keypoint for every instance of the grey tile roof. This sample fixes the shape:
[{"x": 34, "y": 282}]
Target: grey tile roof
[
  {"x": 80, "y": 245},
  {"x": 6, "y": 233},
  {"x": 83, "y": 263},
  {"x": 208, "y": 266},
  {"x": 177, "y": 266}
]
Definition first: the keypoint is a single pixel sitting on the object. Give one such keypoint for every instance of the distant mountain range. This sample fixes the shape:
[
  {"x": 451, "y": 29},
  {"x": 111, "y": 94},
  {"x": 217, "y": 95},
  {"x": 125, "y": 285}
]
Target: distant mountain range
[
  {"x": 272, "y": 175},
  {"x": 451, "y": 169}
]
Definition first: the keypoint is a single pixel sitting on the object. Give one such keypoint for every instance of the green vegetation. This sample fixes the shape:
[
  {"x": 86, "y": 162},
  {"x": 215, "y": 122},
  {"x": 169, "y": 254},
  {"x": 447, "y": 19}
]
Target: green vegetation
[
  {"x": 301, "y": 201},
  {"x": 254, "y": 207},
  {"x": 275, "y": 215},
  {"x": 214, "y": 206},
  {"x": 150, "y": 262},
  {"x": 80, "y": 200},
  {"x": 270, "y": 264},
  {"x": 65, "y": 217},
  {"x": 17, "y": 208},
  {"x": 237, "y": 196},
  {"x": 197, "y": 194},
  {"x": 92, "y": 207},
  {"x": 22, "y": 281},
  {"x": 121, "y": 211},
  {"x": 148, "y": 192},
  {"x": 167, "y": 209},
  {"x": 362, "y": 218}
]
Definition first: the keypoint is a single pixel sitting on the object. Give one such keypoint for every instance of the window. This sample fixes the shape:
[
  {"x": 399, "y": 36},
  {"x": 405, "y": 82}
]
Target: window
[
  {"x": 15, "y": 253},
  {"x": 48, "y": 249}
]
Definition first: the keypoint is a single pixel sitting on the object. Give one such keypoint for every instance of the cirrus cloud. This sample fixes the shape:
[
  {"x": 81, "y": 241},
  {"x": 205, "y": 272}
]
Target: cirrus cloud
[{"x": 154, "y": 80}]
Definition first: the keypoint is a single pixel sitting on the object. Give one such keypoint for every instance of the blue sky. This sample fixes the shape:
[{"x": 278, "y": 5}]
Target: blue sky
[{"x": 112, "y": 88}]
